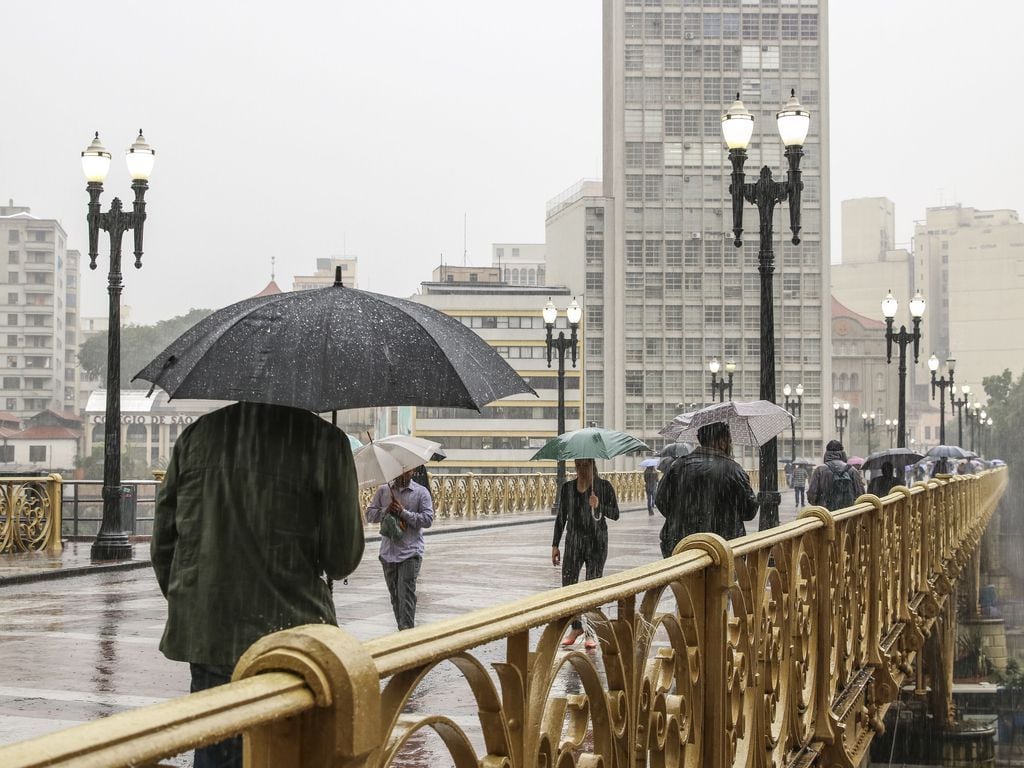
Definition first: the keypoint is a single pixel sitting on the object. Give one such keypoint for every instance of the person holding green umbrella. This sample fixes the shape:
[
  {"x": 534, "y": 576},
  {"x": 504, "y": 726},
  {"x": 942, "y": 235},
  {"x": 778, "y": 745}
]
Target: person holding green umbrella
[{"x": 585, "y": 504}]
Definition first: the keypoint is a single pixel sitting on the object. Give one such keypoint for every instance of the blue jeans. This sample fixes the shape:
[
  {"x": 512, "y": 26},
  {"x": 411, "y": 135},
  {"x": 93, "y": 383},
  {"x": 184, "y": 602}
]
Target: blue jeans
[{"x": 228, "y": 753}]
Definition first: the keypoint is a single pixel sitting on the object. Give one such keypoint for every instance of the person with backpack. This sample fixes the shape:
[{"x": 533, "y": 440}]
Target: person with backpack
[{"x": 835, "y": 484}]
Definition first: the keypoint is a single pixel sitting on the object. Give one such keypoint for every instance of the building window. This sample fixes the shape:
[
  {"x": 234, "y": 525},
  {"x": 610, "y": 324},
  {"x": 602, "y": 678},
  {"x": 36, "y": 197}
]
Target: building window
[
  {"x": 37, "y": 453},
  {"x": 12, "y": 236},
  {"x": 595, "y": 317},
  {"x": 634, "y": 350},
  {"x": 713, "y": 315},
  {"x": 634, "y": 383},
  {"x": 594, "y": 281},
  {"x": 673, "y": 317},
  {"x": 6, "y": 453},
  {"x": 12, "y": 319}
]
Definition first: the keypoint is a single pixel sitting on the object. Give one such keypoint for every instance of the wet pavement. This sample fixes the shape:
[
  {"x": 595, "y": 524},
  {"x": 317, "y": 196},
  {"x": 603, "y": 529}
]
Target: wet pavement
[{"x": 80, "y": 648}]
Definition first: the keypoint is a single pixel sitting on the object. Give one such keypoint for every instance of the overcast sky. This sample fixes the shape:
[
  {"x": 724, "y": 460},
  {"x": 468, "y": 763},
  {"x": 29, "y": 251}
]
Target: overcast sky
[{"x": 300, "y": 130}]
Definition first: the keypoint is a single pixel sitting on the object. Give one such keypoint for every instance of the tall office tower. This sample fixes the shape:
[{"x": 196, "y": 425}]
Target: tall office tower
[
  {"x": 671, "y": 69},
  {"x": 970, "y": 265},
  {"x": 35, "y": 323}
]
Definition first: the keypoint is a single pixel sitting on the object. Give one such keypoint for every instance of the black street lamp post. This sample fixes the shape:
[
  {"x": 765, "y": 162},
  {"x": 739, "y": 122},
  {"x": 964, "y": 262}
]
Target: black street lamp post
[
  {"x": 718, "y": 387},
  {"x": 902, "y": 338},
  {"x": 943, "y": 383},
  {"x": 111, "y": 542},
  {"x": 977, "y": 416},
  {"x": 868, "y": 421},
  {"x": 959, "y": 404},
  {"x": 890, "y": 427},
  {"x": 794, "y": 405},
  {"x": 561, "y": 344},
  {"x": 842, "y": 416},
  {"x": 737, "y": 128}
]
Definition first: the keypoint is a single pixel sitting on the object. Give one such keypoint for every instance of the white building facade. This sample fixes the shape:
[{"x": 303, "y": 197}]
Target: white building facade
[
  {"x": 509, "y": 431},
  {"x": 39, "y": 317}
]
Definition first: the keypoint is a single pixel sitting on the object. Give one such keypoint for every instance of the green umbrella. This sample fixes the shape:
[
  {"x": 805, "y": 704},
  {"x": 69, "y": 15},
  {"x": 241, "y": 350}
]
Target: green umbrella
[{"x": 589, "y": 443}]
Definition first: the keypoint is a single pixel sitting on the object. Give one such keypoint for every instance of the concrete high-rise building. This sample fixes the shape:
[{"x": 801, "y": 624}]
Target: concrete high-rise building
[
  {"x": 520, "y": 263},
  {"x": 970, "y": 266},
  {"x": 670, "y": 287},
  {"x": 39, "y": 320},
  {"x": 868, "y": 229}
]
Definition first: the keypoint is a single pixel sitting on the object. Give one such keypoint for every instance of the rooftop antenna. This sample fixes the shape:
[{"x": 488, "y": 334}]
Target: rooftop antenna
[
  {"x": 273, "y": 262},
  {"x": 465, "y": 251}
]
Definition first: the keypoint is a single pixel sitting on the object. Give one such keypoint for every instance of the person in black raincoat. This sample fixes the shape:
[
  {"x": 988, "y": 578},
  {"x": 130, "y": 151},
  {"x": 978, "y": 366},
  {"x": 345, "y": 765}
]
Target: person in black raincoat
[
  {"x": 881, "y": 485},
  {"x": 584, "y": 504},
  {"x": 705, "y": 492}
]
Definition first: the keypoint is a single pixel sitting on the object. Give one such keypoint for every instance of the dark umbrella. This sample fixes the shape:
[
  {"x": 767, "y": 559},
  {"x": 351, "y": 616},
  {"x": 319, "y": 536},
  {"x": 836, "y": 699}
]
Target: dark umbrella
[
  {"x": 330, "y": 349},
  {"x": 900, "y": 458},
  {"x": 803, "y": 462}
]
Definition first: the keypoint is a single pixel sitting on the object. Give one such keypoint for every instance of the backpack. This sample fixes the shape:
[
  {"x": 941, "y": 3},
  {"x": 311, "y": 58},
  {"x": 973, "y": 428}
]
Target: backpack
[{"x": 840, "y": 493}]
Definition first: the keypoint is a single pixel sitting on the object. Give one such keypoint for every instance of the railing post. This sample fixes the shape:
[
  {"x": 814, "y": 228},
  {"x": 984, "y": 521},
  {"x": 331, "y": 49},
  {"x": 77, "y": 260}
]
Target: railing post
[
  {"x": 823, "y": 547},
  {"x": 720, "y": 730},
  {"x": 344, "y": 727},
  {"x": 54, "y": 490},
  {"x": 470, "y": 510}
]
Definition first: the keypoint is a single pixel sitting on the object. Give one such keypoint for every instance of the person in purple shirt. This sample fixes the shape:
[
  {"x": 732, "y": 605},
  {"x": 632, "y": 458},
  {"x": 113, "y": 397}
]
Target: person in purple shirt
[{"x": 401, "y": 540}]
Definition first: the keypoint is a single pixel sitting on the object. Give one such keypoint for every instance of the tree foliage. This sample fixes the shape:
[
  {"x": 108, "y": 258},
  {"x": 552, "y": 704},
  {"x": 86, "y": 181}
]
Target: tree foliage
[
  {"x": 139, "y": 345},
  {"x": 133, "y": 464}
]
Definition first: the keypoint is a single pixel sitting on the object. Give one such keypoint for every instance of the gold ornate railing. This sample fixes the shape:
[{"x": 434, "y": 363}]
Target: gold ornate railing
[
  {"x": 783, "y": 648},
  {"x": 470, "y": 496},
  {"x": 30, "y": 514}
]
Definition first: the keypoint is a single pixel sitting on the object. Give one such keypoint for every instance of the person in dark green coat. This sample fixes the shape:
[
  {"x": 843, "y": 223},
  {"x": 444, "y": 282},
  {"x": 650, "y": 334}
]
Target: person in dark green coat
[{"x": 259, "y": 503}]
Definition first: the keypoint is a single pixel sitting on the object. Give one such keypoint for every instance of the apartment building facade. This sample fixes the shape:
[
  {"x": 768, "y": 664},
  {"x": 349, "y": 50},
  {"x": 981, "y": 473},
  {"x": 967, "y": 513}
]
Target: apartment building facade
[{"x": 39, "y": 317}]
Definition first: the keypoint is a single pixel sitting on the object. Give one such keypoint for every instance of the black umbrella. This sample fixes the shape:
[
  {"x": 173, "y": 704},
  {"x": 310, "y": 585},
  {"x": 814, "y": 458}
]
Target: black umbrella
[
  {"x": 900, "y": 458},
  {"x": 330, "y": 349}
]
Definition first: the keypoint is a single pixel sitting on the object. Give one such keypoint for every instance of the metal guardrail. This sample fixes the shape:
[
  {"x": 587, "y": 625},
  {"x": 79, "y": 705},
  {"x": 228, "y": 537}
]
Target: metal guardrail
[
  {"x": 30, "y": 514},
  {"x": 83, "y": 507},
  {"x": 784, "y": 647}
]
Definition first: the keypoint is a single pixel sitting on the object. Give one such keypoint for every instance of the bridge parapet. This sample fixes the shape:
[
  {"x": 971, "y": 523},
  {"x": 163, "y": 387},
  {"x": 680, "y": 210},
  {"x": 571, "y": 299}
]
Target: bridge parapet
[{"x": 785, "y": 647}]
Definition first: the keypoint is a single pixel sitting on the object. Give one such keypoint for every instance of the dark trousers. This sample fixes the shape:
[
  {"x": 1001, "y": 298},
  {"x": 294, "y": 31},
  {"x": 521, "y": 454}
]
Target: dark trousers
[
  {"x": 401, "y": 580},
  {"x": 228, "y": 753},
  {"x": 650, "y": 502},
  {"x": 800, "y": 501},
  {"x": 576, "y": 556}
]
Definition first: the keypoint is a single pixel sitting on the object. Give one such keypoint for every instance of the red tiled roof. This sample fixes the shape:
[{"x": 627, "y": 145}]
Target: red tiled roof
[
  {"x": 271, "y": 289},
  {"x": 841, "y": 310},
  {"x": 7, "y": 416},
  {"x": 46, "y": 433}
]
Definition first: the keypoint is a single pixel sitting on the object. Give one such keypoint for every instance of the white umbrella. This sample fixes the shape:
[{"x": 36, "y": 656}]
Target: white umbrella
[
  {"x": 753, "y": 423},
  {"x": 381, "y": 461}
]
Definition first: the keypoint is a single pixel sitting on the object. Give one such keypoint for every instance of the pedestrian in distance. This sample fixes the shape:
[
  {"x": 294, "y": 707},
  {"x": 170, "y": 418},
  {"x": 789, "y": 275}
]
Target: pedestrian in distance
[
  {"x": 706, "y": 492},
  {"x": 881, "y": 485},
  {"x": 651, "y": 486},
  {"x": 585, "y": 504},
  {"x": 799, "y": 483},
  {"x": 404, "y": 509},
  {"x": 834, "y": 483},
  {"x": 259, "y": 503}
]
